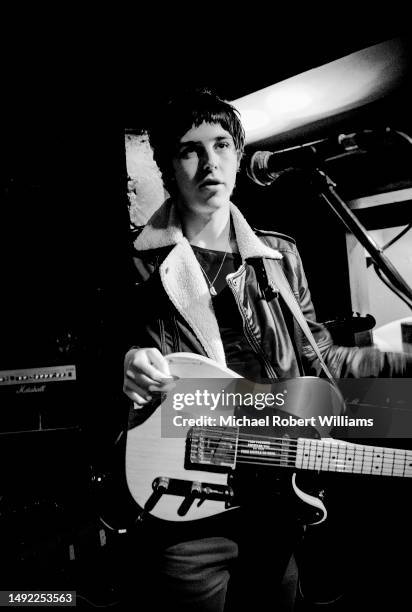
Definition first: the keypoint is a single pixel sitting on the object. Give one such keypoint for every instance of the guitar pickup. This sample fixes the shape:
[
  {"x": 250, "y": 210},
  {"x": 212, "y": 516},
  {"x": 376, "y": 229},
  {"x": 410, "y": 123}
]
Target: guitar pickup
[{"x": 211, "y": 449}]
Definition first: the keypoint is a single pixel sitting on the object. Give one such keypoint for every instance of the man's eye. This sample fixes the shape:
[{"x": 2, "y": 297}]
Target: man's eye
[
  {"x": 224, "y": 144},
  {"x": 187, "y": 152}
]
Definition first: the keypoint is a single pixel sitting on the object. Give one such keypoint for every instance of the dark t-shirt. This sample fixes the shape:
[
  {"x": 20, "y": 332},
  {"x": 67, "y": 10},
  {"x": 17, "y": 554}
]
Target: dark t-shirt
[{"x": 239, "y": 354}]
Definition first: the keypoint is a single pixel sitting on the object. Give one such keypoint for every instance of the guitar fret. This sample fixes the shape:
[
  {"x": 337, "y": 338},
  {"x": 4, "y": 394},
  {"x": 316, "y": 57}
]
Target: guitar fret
[
  {"x": 349, "y": 454},
  {"x": 333, "y": 456},
  {"x": 299, "y": 455},
  {"x": 363, "y": 459},
  {"x": 341, "y": 458},
  {"x": 358, "y": 460},
  {"x": 312, "y": 453},
  {"x": 325, "y": 457},
  {"x": 393, "y": 456},
  {"x": 304, "y": 454},
  {"x": 326, "y": 463},
  {"x": 319, "y": 456},
  {"x": 407, "y": 464},
  {"x": 377, "y": 461}
]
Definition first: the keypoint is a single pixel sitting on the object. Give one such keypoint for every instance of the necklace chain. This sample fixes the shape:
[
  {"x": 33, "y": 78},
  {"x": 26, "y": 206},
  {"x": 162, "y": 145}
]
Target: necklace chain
[{"x": 212, "y": 289}]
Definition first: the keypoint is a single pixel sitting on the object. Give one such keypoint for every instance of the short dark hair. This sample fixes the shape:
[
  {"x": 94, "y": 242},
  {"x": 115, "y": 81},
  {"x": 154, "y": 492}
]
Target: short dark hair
[{"x": 181, "y": 113}]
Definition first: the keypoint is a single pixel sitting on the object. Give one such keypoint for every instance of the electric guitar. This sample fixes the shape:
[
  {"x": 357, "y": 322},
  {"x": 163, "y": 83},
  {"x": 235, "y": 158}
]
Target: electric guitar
[{"x": 183, "y": 460}]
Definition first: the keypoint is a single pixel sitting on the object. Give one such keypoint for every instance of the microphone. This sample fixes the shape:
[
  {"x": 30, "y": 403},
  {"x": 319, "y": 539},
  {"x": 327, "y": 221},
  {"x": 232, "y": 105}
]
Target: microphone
[{"x": 266, "y": 166}]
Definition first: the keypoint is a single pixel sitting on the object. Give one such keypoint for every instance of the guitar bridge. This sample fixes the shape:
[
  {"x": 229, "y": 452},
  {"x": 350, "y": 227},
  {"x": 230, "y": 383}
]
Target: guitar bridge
[{"x": 211, "y": 447}]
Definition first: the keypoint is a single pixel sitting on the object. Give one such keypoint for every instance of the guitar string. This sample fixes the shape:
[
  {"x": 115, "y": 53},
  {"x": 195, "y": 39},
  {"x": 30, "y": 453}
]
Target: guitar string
[
  {"x": 333, "y": 467},
  {"x": 351, "y": 460},
  {"x": 280, "y": 449},
  {"x": 329, "y": 467},
  {"x": 318, "y": 463},
  {"x": 282, "y": 455},
  {"x": 338, "y": 468},
  {"x": 221, "y": 433},
  {"x": 392, "y": 457},
  {"x": 305, "y": 447},
  {"x": 336, "y": 445},
  {"x": 395, "y": 471},
  {"x": 386, "y": 453},
  {"x": 397, "y": 457},
  {"x": 336, "y": 462}
]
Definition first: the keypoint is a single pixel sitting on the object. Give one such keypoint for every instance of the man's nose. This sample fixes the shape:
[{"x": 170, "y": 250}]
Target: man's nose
[{"x": 209, "y": 159}]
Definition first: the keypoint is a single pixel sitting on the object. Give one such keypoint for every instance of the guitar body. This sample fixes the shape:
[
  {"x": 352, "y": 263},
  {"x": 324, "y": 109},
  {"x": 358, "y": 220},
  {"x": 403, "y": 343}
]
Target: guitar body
[
  {"x": 188, "y": 472},
  {"x": 149, "y": 457}
]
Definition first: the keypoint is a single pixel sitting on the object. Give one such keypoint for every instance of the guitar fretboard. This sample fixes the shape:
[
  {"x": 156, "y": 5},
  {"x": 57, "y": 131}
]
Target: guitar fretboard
[
  {"x": 224, "y": 447},
  {"x": 337, "y": 456}
]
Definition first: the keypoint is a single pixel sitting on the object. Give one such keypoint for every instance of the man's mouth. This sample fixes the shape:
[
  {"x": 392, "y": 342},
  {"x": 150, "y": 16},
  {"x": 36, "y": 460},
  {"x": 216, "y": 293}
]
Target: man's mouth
[{"x": 209, "y": 183}]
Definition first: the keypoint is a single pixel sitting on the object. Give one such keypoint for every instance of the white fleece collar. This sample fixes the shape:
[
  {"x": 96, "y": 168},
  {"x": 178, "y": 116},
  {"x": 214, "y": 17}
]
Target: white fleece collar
[{"x": 164, "y": 229}]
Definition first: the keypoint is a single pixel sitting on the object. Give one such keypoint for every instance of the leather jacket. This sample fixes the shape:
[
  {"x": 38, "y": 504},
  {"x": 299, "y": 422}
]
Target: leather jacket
[{"x": 175, "y": 310}]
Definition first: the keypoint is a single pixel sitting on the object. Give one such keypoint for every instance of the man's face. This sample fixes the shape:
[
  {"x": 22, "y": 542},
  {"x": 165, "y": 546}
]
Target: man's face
[{"x": 205, "y": 167}]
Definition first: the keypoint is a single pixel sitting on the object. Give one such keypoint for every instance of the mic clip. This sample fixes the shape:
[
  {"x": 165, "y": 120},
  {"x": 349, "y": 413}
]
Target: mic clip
[{"x": 348, "y": 142}]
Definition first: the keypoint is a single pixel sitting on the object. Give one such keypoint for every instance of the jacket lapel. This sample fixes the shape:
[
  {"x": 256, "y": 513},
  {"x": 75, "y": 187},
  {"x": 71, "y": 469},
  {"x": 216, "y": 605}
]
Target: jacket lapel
[{"x": 186, "y": 287}]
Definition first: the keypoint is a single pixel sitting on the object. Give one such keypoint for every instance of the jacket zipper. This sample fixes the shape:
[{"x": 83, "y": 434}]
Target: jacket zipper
[{"x": 248, "y": 332}]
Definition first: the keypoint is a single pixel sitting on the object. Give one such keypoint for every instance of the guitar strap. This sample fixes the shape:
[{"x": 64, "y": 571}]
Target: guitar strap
[{"x": 280, "y": 282}]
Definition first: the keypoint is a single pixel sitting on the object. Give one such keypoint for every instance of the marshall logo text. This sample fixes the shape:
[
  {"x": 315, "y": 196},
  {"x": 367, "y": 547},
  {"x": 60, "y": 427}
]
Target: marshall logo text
[{"x": 31, "y": 389}]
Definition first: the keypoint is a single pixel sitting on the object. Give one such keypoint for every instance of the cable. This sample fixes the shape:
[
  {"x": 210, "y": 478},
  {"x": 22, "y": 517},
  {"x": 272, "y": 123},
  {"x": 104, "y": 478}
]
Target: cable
[
  {"x": 401, "y": 233},
  {"x": 402, "y": 135},
  {"x": 391, "y": 287},
  {"x": 120, "y": 531}
]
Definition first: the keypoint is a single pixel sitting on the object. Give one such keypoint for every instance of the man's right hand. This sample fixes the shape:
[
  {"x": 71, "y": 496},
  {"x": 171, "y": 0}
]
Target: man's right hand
[{"x": 146, "y": 372}]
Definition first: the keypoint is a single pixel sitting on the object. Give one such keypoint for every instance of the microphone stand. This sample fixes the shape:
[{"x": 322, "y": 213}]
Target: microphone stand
[{"x": 328, "y": 194}]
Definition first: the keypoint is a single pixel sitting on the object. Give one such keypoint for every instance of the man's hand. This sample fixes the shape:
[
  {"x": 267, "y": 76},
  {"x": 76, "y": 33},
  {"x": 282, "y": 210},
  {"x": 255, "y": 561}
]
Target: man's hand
[{"x": 146, "y": 372}]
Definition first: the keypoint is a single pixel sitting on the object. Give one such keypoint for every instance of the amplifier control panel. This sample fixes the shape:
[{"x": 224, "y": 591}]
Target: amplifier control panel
[{"x": 37, "y": 375}]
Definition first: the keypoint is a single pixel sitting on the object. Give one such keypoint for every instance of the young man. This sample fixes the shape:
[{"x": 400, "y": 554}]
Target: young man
[{"x": 205, "y": 286}]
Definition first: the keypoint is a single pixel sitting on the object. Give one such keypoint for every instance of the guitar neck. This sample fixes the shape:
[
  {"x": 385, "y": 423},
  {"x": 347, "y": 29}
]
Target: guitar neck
[
  {"x": 336, "y": 456},
  {"x": 229, "y": 448}
]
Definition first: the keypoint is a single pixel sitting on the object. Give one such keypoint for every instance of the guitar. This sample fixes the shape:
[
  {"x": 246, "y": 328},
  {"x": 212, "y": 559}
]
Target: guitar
[{"x": 182, "y": 462}]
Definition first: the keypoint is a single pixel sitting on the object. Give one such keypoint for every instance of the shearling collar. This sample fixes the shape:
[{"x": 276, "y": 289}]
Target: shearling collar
[
  {"x": 182, "y": 277},
  {"x": 164, "y": 229}
]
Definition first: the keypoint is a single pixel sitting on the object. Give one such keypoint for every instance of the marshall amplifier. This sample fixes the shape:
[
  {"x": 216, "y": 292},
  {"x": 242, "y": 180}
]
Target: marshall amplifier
[{"x": 37, "y": 399}]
